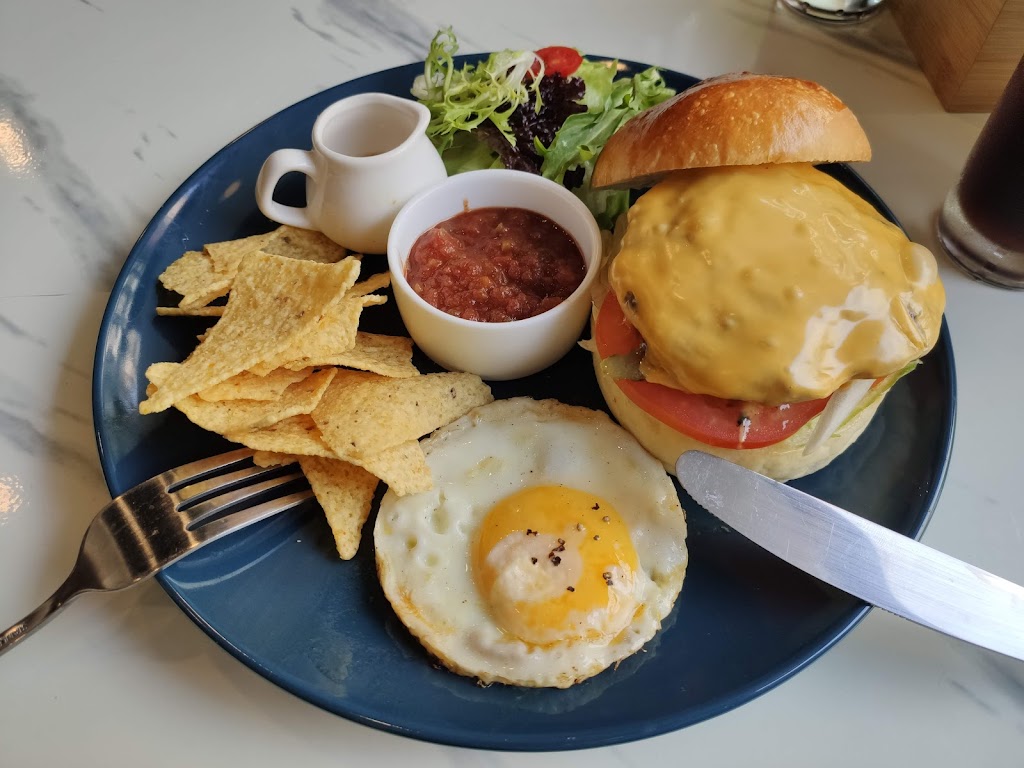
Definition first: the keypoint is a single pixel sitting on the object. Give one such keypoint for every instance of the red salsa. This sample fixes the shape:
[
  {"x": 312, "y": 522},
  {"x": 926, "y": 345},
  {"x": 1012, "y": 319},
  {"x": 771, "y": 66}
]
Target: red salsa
[{"x": 495, "y": 265}]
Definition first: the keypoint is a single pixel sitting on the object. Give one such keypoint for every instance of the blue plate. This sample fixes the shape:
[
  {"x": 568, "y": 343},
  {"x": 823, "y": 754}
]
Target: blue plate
[{"x": 278, "y": 598}]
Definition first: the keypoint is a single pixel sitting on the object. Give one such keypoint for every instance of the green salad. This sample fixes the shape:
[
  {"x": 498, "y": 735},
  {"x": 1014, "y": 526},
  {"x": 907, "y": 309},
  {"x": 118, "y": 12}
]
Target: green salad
[{"x": 548, "y": 112}]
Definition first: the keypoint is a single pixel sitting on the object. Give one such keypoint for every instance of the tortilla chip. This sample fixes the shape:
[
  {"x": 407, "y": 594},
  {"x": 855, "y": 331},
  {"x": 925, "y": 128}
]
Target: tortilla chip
[
  {"x": 290, "y": 242},
  {"x": 225, "y": 416},
  {"x": 298, "y": 435},
  {"x": 271, "y": 459},
  {"x": 334, "y": 334},
  {"x": 386, "y": 355},
  {"x": 275, "y": 301},
  {"x": 305, "y": 244},
  {"x": 404, "y": 468},
  {"x": 227, "y": 255},
  {"x": 203, "y": 311},
  {"x": 158, "y": 373},
  {"x": 362, "y": 413},
  {"x": 249, "y": 386},
  {"x": 371, "y": 284},
  {"x": 193, "y": 276},
  {"x": 345, "y": 492}
]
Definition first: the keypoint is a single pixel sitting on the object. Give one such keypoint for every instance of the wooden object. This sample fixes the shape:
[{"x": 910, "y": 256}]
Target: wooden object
[{"x": 966, "y": 48}]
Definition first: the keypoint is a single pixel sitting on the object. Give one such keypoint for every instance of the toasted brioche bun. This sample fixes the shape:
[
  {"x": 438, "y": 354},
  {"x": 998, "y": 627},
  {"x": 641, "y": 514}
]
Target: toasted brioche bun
[
  {"x": 782, "y": 461},
  {"x": 736, "y": 119}
]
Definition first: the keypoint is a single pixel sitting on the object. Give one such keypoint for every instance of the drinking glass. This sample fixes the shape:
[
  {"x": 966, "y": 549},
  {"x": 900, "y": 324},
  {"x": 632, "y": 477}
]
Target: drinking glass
[{"x": 981, "y": 224}]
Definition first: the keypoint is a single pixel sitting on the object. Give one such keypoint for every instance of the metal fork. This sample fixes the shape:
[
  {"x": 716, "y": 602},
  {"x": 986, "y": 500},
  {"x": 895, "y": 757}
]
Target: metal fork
[{"x": 163, "y": 519}]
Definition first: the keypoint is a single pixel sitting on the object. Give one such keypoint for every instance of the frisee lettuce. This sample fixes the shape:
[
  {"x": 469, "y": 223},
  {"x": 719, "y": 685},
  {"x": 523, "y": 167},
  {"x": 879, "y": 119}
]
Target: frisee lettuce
[{"x": 461, "y": 100}]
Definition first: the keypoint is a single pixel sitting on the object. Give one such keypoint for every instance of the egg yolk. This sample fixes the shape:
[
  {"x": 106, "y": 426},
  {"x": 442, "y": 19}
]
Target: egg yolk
[{"x": 555, "y": 564}]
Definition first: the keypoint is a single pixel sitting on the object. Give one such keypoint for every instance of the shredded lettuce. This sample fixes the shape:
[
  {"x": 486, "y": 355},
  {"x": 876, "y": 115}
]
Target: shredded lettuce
[
  {"x": 880, "y": 389},
  {"x": 834, "y": 420},
  {"x": 463, "y": 100},
  {"x": 840, "y": 405}
]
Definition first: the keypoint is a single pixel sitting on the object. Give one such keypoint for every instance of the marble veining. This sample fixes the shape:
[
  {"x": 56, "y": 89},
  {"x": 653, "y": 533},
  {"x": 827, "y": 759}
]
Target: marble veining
[
  {"x": 383, "y": 24},
  {"x": 92, "y": 228},
  {"x": 8, "y": 326},
  {"x": 18, "y": 431},
  {"x": 322, "y": 34},
  {"x": 1005, "y": 699},
  {"x": 31, "y": 203},
  {"x": 1008, "y": 676},
  {"x": 969, "y": 694}
]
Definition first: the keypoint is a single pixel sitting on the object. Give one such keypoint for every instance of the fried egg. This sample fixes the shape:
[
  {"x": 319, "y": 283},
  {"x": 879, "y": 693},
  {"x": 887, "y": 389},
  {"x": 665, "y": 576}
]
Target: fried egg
[{"x": 551, "y": 546}]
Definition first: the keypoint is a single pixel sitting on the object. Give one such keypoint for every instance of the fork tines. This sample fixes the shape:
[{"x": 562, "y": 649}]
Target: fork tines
[{"x": 212, "y": 487}]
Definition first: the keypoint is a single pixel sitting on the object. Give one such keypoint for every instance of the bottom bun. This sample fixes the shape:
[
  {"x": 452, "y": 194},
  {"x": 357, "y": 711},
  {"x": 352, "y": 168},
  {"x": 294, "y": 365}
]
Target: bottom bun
[{"x": 782, "y": 461}]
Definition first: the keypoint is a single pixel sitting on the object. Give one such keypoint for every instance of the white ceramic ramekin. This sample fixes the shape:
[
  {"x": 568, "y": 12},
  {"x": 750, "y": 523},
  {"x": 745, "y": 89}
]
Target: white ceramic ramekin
[{"x": 495, "y": 351}]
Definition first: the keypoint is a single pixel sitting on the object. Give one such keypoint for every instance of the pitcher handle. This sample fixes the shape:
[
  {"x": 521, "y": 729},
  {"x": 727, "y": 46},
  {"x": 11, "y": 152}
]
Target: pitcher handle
[{"x": 274, "y": 167}]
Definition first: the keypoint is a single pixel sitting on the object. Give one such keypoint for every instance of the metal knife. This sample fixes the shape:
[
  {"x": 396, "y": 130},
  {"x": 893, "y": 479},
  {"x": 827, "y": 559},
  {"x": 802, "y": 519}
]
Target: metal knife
[{"x": 860, "y": 557}]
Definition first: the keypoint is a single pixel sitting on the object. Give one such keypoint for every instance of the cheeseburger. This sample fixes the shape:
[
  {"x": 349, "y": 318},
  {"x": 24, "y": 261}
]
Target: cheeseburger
[{"x": 752, "y": 306}]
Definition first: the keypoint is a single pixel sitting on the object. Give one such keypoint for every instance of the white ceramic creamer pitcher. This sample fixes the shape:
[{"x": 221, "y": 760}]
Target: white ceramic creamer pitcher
[{"x": 370, "y": 155}]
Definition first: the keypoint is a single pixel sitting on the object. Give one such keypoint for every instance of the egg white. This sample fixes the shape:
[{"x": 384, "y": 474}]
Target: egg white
[{"x": 424, "y": 541}]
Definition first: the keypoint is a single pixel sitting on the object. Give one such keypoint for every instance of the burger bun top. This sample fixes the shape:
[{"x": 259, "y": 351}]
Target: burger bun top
[{"x": 734, "y": 119}]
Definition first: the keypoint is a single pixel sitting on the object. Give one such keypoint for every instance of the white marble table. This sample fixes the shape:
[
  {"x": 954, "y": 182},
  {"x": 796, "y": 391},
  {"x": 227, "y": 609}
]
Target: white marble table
[{"x": 107, "y": 105}]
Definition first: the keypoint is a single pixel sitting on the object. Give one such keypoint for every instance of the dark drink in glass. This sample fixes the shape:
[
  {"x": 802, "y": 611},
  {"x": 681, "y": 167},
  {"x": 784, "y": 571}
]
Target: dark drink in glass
[{"x": 981, "y": 224}]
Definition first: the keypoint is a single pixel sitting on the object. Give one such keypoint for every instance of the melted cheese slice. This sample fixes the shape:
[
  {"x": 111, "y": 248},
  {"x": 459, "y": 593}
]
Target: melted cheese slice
[{"x": 771, "y": 284}]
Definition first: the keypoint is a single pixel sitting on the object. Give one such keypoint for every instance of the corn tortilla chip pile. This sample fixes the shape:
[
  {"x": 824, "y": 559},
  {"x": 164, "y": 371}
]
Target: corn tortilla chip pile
[
  {"x": 285, "y": 371},
  {"x": 202, "y": 276}
]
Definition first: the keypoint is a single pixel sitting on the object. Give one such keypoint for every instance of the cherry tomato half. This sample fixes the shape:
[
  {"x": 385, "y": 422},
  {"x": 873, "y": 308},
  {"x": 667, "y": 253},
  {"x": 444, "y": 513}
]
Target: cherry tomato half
[{"x": 559, "y": 60}]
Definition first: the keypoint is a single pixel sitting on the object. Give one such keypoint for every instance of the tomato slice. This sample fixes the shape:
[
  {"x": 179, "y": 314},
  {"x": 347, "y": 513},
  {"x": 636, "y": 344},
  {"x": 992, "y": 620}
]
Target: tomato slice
[
  {"x": 712, "y": 420},
  {"x": 614, "y": 334},
  {"x": 559, "y": 60}
]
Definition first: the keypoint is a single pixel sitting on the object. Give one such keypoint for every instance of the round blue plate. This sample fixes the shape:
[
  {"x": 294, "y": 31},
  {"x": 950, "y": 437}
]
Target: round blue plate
[{"x": 278, "y": 598}]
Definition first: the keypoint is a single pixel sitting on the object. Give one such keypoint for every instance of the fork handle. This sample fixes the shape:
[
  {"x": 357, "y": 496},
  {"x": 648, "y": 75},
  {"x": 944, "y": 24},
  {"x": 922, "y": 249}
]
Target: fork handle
[{"x": 70, "y": 589}]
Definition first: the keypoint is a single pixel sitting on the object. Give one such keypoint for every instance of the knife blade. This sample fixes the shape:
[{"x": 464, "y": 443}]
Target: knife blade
[{"x": 867, "y": 560}]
